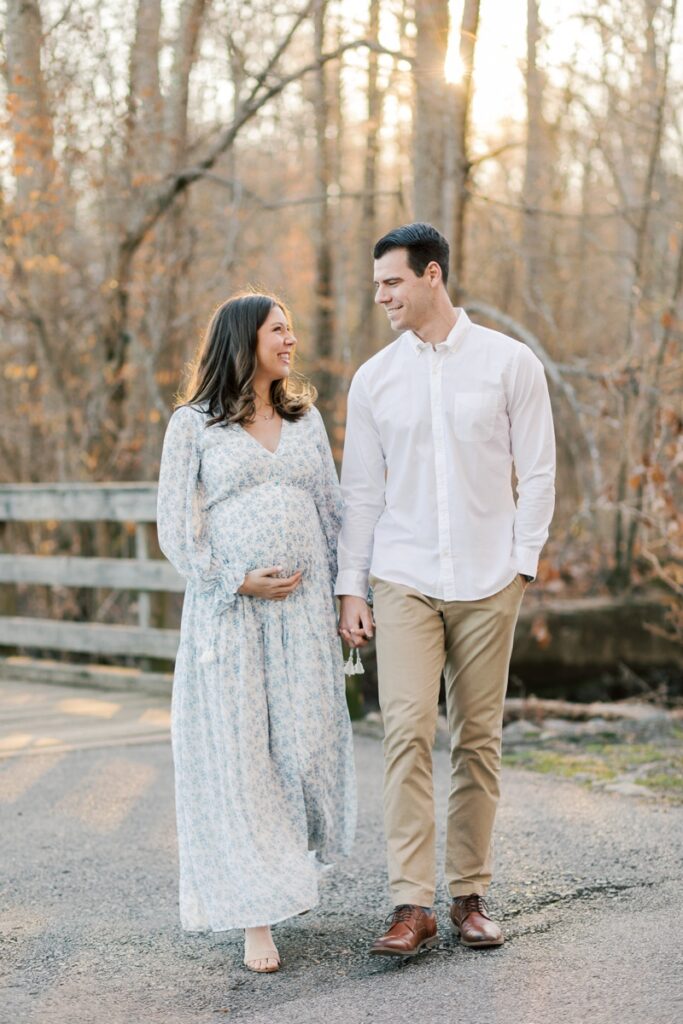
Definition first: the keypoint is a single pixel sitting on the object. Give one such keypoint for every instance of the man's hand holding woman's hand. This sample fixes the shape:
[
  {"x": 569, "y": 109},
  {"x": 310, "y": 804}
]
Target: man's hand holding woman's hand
[
  {"x": 356, "y": 625},
  {"x": 268, "y": 584}
]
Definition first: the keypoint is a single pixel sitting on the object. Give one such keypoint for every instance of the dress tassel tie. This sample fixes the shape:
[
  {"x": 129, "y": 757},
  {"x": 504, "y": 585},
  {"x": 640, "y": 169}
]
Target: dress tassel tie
[
  {"x": 225, "y": 587},
  {"x": 354, "y": 665}
]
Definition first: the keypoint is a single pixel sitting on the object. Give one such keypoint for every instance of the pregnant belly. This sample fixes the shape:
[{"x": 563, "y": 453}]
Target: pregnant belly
[{"x": 269, "y": 526}]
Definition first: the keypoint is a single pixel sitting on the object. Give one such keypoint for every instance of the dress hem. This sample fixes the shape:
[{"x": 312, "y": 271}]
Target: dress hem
[{"x": 253, "y": 923}]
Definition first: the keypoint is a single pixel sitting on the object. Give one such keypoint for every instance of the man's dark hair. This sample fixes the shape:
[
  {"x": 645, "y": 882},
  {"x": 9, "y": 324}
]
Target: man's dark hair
[{"x": 424, "y": 244}]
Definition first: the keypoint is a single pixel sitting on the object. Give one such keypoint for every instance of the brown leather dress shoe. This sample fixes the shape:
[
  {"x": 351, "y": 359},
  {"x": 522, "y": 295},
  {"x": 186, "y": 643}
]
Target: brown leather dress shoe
[
  {"x": 411, "y": 930},
  {"x": 471, "y": 921}
]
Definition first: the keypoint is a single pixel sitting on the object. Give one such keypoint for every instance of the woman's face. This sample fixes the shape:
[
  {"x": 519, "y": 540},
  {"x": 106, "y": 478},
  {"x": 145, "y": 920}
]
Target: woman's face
[{"x": 274, "y": 346}]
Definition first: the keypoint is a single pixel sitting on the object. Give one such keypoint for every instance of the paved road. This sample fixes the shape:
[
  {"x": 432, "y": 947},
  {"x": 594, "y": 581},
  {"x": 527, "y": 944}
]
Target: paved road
[{"x": 589, "y": 885}]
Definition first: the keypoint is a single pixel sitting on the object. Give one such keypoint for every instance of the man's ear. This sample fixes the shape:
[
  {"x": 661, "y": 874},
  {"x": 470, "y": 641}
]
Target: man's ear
[{"x": 434, "y": 272}]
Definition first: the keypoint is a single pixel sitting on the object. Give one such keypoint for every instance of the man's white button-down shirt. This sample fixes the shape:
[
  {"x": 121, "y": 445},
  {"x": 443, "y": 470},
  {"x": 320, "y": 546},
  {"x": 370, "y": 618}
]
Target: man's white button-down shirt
[{"x": 431, "y": 438}]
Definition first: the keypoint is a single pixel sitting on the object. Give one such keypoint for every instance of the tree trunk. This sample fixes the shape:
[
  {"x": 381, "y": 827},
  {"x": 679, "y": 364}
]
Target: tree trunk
[
  {"x": 31, "y": 121},
  {"x": 173, "y": 242},
  {"x": 145, "y": 161},
  {"x": 367, "y": 232},
  {"x": 191, "y": 15},
  {"x": 145, "y": 124},
  {"x": 323, "y": 324},
  {"x": 532, "y": 189},
  {"x": 457, "y": 158},
  {"x": 638, "y": 415},
  {"x": 431, "y": 19},
  {"x": 157, "y": 145},
  {"x": 37, "y": 216}
]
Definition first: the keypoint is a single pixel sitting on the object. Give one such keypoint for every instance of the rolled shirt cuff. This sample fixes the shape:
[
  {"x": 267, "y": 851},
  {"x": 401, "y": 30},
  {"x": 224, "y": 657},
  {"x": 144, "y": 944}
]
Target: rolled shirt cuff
[
  {"x": 526, "y": 560},
  {"x": 352, "y": 584}
]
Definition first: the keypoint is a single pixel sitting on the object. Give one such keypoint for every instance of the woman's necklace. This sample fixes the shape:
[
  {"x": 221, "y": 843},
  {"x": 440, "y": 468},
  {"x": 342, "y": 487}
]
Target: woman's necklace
[{"x": 262, "y": 416}]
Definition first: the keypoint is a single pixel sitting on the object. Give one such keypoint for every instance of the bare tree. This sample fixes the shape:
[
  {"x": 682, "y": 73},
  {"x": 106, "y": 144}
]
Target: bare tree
[
  {"x": 431, "y": 20},
  {"x": 638, "y": 416},
  {"x": 130, "y": 208},
  {"x": 457, "y": 159},
  {"x": 367, "y": 233},
  {"x": 184, "y": 57},
  {"x": 35, "y": 216},
  {"x": 324, "y": 323},
  {"x": 533, "y": 247},
  {"x": 145, "y": 105},
  {"x": 170, "y": 251}
]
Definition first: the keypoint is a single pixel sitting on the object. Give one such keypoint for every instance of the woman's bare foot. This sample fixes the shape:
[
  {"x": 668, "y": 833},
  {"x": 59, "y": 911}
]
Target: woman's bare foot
[{"x": 260, "y": 954}]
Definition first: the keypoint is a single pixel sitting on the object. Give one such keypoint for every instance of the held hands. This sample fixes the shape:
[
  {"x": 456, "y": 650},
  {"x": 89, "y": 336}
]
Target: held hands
[
  {"x": 356, "y": 625},
  {"x": 267, "y": 584}
]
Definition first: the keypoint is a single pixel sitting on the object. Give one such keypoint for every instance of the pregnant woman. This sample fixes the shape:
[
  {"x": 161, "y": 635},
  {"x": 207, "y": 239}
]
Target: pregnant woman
[{"x": 249, "y": 511}]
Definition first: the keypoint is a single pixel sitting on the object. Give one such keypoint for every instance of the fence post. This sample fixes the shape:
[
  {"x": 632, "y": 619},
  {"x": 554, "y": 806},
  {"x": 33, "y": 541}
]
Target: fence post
[{"x": 141, "y": 553}]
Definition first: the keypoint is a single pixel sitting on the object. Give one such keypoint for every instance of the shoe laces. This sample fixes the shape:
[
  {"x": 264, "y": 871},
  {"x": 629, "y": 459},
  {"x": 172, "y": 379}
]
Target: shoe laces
[
  {"x": 473, "y": 904},
  {"x": 404, "y": 912}
]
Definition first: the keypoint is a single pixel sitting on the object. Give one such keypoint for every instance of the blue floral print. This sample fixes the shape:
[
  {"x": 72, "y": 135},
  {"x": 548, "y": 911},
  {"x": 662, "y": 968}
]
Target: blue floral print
[{"x": 262, "y": 745}]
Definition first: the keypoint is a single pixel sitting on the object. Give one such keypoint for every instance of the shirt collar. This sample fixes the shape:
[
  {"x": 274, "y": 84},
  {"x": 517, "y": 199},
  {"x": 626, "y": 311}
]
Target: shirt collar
[{"x": 454, "y": 338}]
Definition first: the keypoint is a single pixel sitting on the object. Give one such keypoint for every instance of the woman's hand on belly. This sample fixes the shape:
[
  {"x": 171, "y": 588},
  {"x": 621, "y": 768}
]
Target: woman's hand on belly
[{"x": 266, "y": 583}]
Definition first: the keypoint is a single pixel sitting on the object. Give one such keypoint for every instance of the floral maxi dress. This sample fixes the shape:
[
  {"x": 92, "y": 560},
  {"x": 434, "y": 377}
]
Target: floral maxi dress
[{"x": 262, "y": 746}]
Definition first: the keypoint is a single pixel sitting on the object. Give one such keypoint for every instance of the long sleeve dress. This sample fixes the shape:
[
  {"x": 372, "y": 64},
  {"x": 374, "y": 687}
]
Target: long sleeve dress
[{"x": 262, "y": 746}]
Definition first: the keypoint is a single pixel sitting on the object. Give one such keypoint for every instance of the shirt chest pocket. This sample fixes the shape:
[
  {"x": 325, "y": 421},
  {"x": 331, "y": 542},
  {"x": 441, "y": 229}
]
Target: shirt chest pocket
[{"x": 474, "y": 414}]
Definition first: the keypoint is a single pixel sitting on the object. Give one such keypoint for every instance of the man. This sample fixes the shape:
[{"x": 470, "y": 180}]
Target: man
[{"x": 436, "y": 421}]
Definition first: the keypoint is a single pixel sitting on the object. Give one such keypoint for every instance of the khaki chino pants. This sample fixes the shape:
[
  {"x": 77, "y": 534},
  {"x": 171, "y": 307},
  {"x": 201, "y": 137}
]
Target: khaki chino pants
[{"x": 471, "y": 641}]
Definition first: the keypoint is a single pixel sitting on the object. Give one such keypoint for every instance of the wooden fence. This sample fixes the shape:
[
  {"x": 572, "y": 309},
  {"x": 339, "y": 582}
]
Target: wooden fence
[
  {"x": 554, "y": 638},
  {"x": 133, "y": 503}
]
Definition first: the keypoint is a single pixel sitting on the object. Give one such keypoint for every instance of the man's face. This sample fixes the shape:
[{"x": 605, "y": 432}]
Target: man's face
[{"x": 406, "y": 297}]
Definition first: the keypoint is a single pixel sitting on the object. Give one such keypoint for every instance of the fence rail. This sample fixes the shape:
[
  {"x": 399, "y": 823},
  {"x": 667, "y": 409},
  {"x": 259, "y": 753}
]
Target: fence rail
[
  {"x": 78, "y": 502},
  {"x": 133, "y": 503},
  {"x": 592, "y": 633},
  {"x": 116, "y": 573}
]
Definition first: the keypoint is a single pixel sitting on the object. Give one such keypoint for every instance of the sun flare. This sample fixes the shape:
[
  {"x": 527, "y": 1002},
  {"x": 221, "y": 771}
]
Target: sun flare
[{"x": 454, "y": 69}]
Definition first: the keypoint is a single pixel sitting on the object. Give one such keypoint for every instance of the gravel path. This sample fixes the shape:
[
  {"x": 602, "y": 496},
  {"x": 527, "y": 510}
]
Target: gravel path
[{"x": 588, "y": 885}]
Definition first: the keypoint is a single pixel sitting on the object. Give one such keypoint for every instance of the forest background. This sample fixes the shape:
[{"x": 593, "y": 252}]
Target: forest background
[{"x": 157, "y": 155}]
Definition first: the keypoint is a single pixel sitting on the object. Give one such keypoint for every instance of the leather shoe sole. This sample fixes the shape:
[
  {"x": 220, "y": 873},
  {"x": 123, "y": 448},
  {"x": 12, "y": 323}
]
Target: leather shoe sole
[
  {"x": 426, "y": 944},
  {"x": 479, "y": 944}
]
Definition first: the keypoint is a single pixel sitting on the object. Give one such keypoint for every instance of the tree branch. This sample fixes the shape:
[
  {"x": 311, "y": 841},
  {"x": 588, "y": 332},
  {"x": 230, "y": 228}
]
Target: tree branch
[
  {"x": 165, "y": 194},
  {"x": 237, "y": 186},
  {"x": 621, "y": 211},
  {"x": 492, "y": 154}
]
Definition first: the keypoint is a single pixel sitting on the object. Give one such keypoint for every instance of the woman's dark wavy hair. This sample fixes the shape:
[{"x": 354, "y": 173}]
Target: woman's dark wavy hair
[{"x": 222, "y": 377}]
